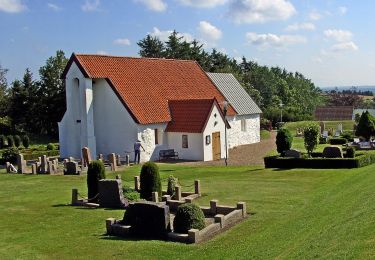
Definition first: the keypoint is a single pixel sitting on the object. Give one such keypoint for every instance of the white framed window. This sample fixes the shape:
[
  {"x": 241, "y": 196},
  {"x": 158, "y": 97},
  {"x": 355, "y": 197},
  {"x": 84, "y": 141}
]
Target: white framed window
[{"x": 243, "y": 125}]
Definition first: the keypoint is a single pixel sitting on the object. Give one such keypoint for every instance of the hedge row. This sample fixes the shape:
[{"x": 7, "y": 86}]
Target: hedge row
[
  {"x": 36, "y": 154},
  {"x": 319, "y": 163},
  {"x": 338, "y": 141}
]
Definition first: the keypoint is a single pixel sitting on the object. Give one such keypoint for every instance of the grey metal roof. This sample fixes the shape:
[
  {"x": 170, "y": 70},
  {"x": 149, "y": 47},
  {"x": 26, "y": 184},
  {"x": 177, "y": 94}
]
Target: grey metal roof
[{"x": 236, "y": 95}]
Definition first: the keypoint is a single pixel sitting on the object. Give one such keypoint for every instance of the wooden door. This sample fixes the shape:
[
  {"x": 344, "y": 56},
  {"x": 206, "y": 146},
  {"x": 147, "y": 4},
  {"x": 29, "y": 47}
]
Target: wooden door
[{"x": 216, "y": 146}]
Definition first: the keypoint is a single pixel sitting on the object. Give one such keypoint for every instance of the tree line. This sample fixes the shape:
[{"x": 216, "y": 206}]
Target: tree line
[{"x": 35, "y": 106}]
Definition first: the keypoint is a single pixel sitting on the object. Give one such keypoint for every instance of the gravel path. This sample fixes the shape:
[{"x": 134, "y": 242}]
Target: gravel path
[{"x": 250, "y": 154}]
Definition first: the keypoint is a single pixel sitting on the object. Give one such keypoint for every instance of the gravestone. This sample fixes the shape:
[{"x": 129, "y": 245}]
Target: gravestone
[
  {"x": 293, "y": 153},
  {"x": 86, "y": 156},
  {"x": 339, "y": 128},
  {"x": 101, "y": 157},
  {"x": 34, "y": 168},
  {"x": 322, "y": 127},
  {"x": 127, "y": 160},
  {"x": 118, "y": 160},
  {"x": 43, "y": 168},
  {"x": 332, "y": 152},
  {"x": 21, "y": 164},
  {"x": 71, "y": 168},
  {"x": 111, "y": 194},
  {"x": 148, "y": 219},
  {"x": 112, "y": 161}
]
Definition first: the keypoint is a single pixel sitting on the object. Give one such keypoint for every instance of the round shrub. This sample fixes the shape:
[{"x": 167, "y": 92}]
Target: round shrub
[
  {"x": 350, "y": 152},
  {"x": 95, "y": 173},
  {"x": 2, "y": 141},
  {"x": 10, "y": 140},
  {"x": 10, "y": 155},
  {"x": 50, "y": 147},
  {"x": 150, "y": 180},
  {"x": 172, "y": 182},
  {"x": 188, "y": 216},
  {"x": 366, "y": 126},
  {"x": 25, "y": 141},
  {"x": 284, "y": 140},
  {"x": 17, "y": 141}
]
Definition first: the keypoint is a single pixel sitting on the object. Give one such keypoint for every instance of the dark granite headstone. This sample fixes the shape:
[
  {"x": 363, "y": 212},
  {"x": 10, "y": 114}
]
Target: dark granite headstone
[
  {"x": 148, "y": 219},
  {"x": 71, "y": 168},
  {"x": 332, "y": 152},
  {"x": 111, "y": 194},
  {"x": 293, "y": 153}
]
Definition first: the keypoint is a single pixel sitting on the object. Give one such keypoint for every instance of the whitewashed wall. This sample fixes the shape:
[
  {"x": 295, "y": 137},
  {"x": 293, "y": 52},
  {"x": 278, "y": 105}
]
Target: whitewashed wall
[
  {"x": 146, "y": 134},
  {"x": 212, "y": 127},
  {"x": 74, "y": 135},
  {"x": 237, "y": 137},
  {"x": 194, "y": 150}
]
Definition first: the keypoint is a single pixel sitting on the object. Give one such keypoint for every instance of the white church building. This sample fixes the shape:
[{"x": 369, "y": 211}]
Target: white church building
[{"x": 166, "y": 104}]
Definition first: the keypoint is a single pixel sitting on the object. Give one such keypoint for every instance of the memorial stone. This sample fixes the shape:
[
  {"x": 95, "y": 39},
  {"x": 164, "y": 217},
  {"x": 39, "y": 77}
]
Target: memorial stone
[{"x": 111, "y": 194}]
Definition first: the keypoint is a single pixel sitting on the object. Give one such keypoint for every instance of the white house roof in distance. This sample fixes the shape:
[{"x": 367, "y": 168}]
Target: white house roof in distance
[{"x": 232, "y": 90}]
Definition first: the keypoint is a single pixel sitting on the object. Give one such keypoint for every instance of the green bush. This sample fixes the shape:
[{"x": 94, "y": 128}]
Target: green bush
[
  {"x": 366, "y": 126},
  {"x": 284, "y": 140},
  {"x": 10, "y": 140},
  {"x": 35, "y": 154},
  {"x": 10, "y": 155},
  {"x": 25, "y": 141},
  {"x": 95, "y": 173},
  {"x": 322, "y": 140},
  {"x": 338, "y": 141},
  {"x": 348, "y": 136},
  {"x": 17, "y": 141},
  {"x": 311, "y": 137},
  {"x": 51, "y": 147},
  {"x": 350, "y": 152},
  {"x": 130, "y": 194},
  {"x": 150, "y": 180},
  {"x": 172, "y": 182},
  {"x": 188, "y": 216},
  {"x": 2, "y": 141}
]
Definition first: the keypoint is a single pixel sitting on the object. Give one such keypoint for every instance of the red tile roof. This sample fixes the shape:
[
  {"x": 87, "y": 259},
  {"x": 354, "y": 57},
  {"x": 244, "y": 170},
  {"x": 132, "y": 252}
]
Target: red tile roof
[
  {"x": 189, "y": 116},
  {"x": 144, "y": 85}
]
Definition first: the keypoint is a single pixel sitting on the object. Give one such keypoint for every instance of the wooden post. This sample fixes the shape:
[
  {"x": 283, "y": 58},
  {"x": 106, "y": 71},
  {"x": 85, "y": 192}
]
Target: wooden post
[
  {"x": 137, "y": 183},
  {"x": 197, "y": 186},
  {"x": 155, "y": 196},
  {"x": 213, "y": 205}
]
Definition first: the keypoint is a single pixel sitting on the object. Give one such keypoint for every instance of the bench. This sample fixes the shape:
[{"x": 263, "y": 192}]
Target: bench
[{"x": 169, "y": 153}]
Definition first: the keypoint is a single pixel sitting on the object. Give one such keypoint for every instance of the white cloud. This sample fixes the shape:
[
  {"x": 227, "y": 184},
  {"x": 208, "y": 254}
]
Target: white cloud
[
  {"x": 123, "y": 41},
  {"x": 315, "y": 15},
  {"x": 343, "y": 10},
  {"x": 90, "y": 5},
  {"x": 163, "y": 35},
  {"x": 300, "y": 26},
  {"x": 273, "y": 40},
  {"x": 154, "y": 5},
  {"x": 260, "y": 11},
  {"x": 209, "y": 32},
  {"x": 203, "y": 3},
  {"x": 102, "y": 52},
  {"x": 12, "y": 6},
  {"x": 344, "y": 46},
  {"x": 54, "y": 7},
  {"x": 338, "y": 35}
]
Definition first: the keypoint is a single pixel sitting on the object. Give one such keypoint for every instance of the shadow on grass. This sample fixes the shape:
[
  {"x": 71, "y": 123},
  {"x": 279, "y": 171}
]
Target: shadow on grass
[
  {"x": 282, "y": 169},
  {"x": 131, "y": 238}
]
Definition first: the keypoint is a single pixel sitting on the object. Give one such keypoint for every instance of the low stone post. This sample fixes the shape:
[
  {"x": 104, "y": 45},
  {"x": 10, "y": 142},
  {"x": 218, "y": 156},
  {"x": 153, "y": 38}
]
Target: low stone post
[
  {"x": 155, "y": 196},
  {"x": 242, "y": 205},
  {"x": 177, "y": 190},
  {"x": 219, "y": 218},
  {"x": 74, "y": 196},
  {"x": 137, "y": 185},
  {"x": 213, "y": 205},
  {"x": 108, "y": 223},
  {"x": 193, "y": 235},
  {"x": 118, "y": 160},
  {"x": 197, "y": 187},
  {"x": 34, "y": 168},
  {"x": 127, "y": 160}
]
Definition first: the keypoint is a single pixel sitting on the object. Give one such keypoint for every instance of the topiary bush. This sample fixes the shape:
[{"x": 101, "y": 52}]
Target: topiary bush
[
  {"x": 150, "y": 180},
  {"x": 17, "y": 141},
  {"x": 10, "y": 141},
  {"x": 311, "y": 134},
  {"x": 366, "y": 126},
  {"x": 188, "y": 216},
  {"x": 2, "y": 141},
  {"x": 350, "y": 152},
  {"x": 10, "y": 155},
  {"x": 25, "y": 141},
  {"x": 95, "y": 173},
  {"x": 284, "y": 140},
  {"x": 50, "y": 147},
  {"x": 172, "y": 182}
]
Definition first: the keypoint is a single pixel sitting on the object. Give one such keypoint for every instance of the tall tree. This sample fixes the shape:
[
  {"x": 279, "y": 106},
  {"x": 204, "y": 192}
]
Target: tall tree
[
  {"x": 151, "y": 47},
  {"x": 52, "y": 104},
  {"x": 3, "y": 89}
]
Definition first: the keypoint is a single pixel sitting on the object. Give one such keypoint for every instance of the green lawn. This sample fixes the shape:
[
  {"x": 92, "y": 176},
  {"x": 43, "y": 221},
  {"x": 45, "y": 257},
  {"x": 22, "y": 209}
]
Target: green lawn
[
  {"x": 295, "y": 214},
  {"x": 347, "y": 125}
]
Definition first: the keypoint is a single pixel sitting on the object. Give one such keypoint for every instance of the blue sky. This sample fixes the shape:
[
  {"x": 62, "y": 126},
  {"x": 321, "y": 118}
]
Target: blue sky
[{"x": 330, "y": 42}]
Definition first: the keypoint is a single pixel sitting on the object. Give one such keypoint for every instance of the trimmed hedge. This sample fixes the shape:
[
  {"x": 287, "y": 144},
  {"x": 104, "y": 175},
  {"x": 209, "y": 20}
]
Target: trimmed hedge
[
  {"x": 319, "y": 163},
  {"x": 36, "y": 154},
  {"x": 188, "y": 216},
  {"x": 338, "y": 141},
  {"x": 95, "y": 173},
  {"x": 150, "y": 180},
  {"x": 284, "y": 140}
]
